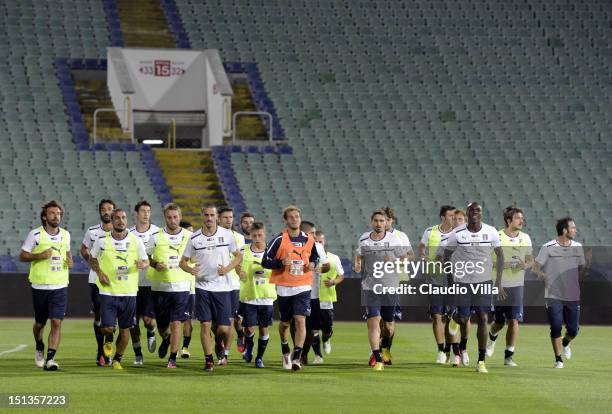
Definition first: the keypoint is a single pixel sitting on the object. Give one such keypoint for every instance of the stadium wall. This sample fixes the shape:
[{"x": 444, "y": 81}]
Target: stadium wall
[{"x": 16, "y": 301}]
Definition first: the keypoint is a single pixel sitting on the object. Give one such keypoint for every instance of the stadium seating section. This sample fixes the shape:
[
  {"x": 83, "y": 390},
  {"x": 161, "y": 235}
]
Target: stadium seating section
[
  {"x": 420, "y": 103},
  {"x": 39, "y": 160},
  {"x": 408, "y": 103}
]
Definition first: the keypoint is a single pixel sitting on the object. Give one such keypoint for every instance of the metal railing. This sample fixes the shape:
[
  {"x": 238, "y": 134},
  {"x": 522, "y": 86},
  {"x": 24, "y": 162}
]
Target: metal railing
[
  {"x": 129, "y": 119},
  {"x": 251, "y": 113},
  {"x": 172, "y": 135}
]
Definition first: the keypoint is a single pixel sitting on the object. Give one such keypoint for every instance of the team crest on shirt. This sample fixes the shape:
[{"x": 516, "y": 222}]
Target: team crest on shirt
[
  {"x": 220, "y": 239},
  {"x": 485, "y": 236}
]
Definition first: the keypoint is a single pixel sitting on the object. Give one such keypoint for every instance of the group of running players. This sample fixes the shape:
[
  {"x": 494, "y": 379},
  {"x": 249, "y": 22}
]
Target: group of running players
[{"x": 228, "y": 280}]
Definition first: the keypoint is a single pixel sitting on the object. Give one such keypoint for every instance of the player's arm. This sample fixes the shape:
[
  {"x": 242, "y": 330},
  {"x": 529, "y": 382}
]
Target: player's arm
[
  {"x": 94, "y": 253},
  {"x": 84, "y": 253},
  {"x": 29, "y": 244},
  {"x": 357, "y": 264},
  {"x": 232, "y": 265},
  {"x": 318, "y": 256},
  {"x": 31, "y": 257},
  {"x": 536, "y": 268},
  {"x": 184, "y": 264},
  {"x": 528, "y": 261},
  {"x": 238, "y": 268},
  {"x": 539, "y": 262},
  {"x": 499, "y": 268},
  {"x": 585, "y": 262},
  {"x": 69, "y": 260},
  {"x": 410, "y": 255},
  {"x": 269, "y": 260},
  {"x": 422, "y": 248}
]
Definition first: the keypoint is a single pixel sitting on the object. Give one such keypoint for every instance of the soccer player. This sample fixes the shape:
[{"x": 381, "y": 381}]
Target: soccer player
[
  {"x": 170, "y": 285},
  {"x": 47, "y": 248},
  {"x": 563, "y": 261},
  {"x": 246, "y": 221},
  {"x": 473, "y": 244},
  {"x": 327, "y": 296},
  {"x": 105, "y": 342},
  {"x": 452, "y": 327},
  {"x": 518, "y": 257},
  {"x": 313, "y": 321},
  {"x": 292, "y": 256},
  {"x": 460, "y": 218},
  {"x": 386, "y": 340},
  {"x": 144, "y": 301},
  {"x": 257, "y": 295},
  {"x": 376, "y": 243},
  {"x": 433, "y": 238},
  {"x": 226, "y": 220},
  {"x": 116, "y": 258},
  {"x": 187, "y": 325},
  {"x": 210, "y": 248}
]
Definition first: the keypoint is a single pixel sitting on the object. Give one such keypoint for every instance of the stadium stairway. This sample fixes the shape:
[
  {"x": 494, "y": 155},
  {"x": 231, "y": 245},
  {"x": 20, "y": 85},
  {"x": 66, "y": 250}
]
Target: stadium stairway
[
  {"x": 91, "y": 95},
  {"x": 143, "y": 24},
  {"x": 247, "y": 127},
  {"x": 191, "y": 179}
]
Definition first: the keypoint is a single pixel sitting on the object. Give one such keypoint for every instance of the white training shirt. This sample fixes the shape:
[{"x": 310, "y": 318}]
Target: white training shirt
[
  {"x": 389, "y": 246},
  {"x": 340, "y": 271},
  {"x": 33, "y": 240},
  {"x": 174, "y": 240},
  {"x": 91, "y": 235},
  {"x": 560, "y": 266},
  {"x": 235, "y": 280},
  {"x": 473, "y": 247},
  {"x": 210, "y": 252},
  {"x": 120, "y": 246},
  {"x": 145, "y": 237}
]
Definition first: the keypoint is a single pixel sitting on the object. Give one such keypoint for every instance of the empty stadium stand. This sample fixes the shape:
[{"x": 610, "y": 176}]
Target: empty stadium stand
[
  {"x": 40, "y": 160},
  {"x": 419, "y": 103}
]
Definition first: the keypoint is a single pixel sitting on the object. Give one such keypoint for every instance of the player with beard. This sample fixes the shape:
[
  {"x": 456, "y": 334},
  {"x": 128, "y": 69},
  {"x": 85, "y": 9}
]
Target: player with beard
[{"x": 105, "y": 342}]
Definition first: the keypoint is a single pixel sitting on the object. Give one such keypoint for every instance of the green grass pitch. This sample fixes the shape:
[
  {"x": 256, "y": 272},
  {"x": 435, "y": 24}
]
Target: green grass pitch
[{"x": 344, "y": 384}]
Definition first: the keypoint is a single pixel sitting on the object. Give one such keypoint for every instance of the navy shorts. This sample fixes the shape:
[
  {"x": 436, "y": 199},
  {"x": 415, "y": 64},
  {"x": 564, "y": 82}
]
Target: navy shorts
[
  {"x": 241, "y": 309},
  {"x": 117, "y": 309},
  {"x": 170, "y": 307},
  {"x": 438, "y": 304},
  {"x": 562, "y": 312},
  {"x": 474, "y": 302},
  {"x": 511, "y": 307},
  {"x": 296, "y": 305},
  {"x": 144, "y": 303},
  {"x": 387, "y": 313},
  {"x": 257, "y": 315},
  {"x": 213, "y": 306},
  {"x": 313, "y": 321},
  {"x": 192, "y": 297},
  {"x": 385, "y": 306},
  {"x": 49, "y": 304},
  {"x": 235, "y": 302},
  {"x": 94, "y": 295}
]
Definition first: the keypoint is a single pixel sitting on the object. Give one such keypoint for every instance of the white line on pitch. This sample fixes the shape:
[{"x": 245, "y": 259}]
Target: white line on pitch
[{"x": 16, "y": 349}]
